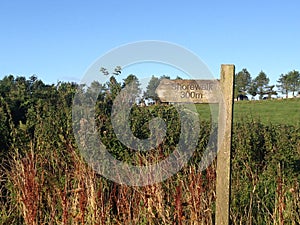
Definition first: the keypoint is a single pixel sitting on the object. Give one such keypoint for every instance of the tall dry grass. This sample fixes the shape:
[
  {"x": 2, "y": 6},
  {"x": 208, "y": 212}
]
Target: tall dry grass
[
  {"x": 83, "y": 197},
  {"x": 44, "y": 186}
]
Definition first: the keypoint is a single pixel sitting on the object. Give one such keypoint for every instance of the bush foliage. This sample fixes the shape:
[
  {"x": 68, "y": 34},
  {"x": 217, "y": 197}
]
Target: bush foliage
[{"x": 45, "y": 180}]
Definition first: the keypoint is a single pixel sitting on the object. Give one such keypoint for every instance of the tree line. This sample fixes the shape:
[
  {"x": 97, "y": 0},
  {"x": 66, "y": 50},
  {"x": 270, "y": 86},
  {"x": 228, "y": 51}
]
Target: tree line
[{"x": 259, "y": 86}]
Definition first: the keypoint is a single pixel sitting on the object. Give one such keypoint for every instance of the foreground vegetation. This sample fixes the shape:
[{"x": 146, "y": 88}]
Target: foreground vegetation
[{"x": 44, "y": 179}]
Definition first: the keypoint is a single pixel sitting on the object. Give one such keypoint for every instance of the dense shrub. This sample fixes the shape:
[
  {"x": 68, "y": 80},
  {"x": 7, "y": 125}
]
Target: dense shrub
[{"x": 44, "y": 179}]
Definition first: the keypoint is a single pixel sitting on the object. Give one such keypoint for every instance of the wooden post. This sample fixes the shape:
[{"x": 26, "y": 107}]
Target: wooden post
[
  {"x": 223, "y": 182},
  {"x": 186, "y": 91}
]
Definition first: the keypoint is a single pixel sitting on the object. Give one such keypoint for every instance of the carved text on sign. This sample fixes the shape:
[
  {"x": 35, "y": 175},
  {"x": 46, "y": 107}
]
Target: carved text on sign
[{"x": 197, "y": 91}]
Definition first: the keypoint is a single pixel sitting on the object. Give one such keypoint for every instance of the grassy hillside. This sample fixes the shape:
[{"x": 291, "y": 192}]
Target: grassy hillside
[{"x": 283, "y": 111}]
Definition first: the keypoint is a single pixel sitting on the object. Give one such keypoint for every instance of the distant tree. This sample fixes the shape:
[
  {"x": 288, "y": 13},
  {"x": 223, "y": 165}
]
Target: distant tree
[
  {"x": 252, "y": 89},
  {"x": 131, "y": 79},
  {"x": 31, "y": 81},
  {"x": 97, "y": 87},
  {"x": 242, "y": 82},
  {"x": 165, "y": 77},
  {"x": 36, "y": 86},
  {"x": 114, "y": 87},
  {"x": 283, "y": 85},
  {"x": 261, "y": 82},
  {"x": 151, "y": 87},
  {"x": 134, "y": 84},
  {"x": 294, "y": 81},
  {"x": 117, "y": 71},
  {"x": 6, "y": 85},
  {"x": 104, "y": 71},
  {"x": 17, "y": 97}
]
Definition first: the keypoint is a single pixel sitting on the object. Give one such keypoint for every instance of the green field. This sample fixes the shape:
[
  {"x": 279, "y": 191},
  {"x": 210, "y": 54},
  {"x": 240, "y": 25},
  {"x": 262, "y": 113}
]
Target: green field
[{"x": 283, "y": 111}]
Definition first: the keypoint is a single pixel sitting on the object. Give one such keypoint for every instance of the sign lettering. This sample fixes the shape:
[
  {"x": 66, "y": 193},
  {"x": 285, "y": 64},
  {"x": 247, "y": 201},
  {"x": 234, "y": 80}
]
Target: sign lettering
[{"x": 196, "y": 91}]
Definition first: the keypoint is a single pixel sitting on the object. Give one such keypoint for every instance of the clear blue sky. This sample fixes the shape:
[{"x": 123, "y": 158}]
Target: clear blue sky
[{"x": 60, "y": 39}]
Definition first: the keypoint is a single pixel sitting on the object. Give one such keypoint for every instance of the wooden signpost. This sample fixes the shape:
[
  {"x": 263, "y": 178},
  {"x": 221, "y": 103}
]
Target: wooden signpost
[{"x": 211, "y": 91}]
